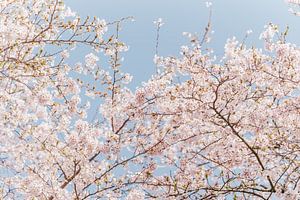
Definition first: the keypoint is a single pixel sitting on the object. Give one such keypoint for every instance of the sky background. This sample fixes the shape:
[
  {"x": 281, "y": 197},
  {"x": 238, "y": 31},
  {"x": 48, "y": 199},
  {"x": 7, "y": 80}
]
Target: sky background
[{"x": 230, "y": 18}]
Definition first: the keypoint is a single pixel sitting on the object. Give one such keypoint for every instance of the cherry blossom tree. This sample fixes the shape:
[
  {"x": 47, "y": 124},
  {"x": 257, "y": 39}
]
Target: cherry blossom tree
[{"x": 200, "y": 128}]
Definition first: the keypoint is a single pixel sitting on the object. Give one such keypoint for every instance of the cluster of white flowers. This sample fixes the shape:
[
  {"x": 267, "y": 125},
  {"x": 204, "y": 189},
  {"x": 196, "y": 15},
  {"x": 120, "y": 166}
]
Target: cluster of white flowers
[
  {"x": 208, "y": 4},
  {"x": 268, "y": 35},
  {"x": 68, "y": 13},
  {"x": 198, "y": 128},
  {"x": 159, "y": 22},
  {"x": 91, "y": 61}
]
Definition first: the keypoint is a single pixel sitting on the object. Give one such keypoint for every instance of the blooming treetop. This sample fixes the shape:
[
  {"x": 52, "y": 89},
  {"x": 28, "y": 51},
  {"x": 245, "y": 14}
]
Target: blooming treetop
[{"x": 198, "y": 129}]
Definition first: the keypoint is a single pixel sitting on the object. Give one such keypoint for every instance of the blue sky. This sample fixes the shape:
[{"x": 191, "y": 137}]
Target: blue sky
[{"x": 230, "y": 18}]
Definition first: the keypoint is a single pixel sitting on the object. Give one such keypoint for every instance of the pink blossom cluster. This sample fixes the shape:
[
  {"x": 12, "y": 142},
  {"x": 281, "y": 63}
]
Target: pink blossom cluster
[{"x": 200, "y": 128}]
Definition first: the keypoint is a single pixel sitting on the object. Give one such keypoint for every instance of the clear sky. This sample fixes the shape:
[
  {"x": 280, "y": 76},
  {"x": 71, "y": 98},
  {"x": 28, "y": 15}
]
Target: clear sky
[{"x": 230, "y": 18}]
